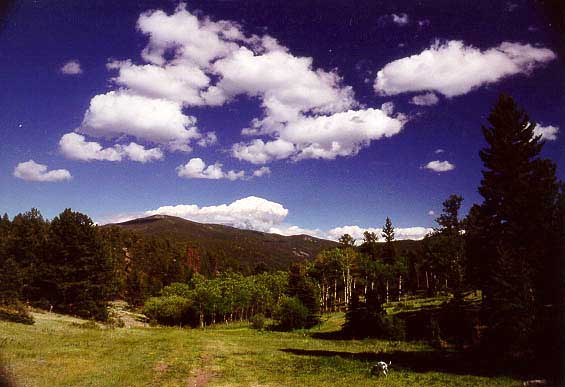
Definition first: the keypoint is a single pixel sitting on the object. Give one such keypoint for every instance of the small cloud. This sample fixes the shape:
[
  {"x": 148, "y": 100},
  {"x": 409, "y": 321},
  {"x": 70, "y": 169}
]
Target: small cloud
[
  {"x": 548, "y": 133},
  {"x": 32, "y": 171},
  {"x": 439, "y": 166},
  {"x": 196, "y": 169},
  {"x": 427, "y": 99},
  {"x": 208, "y": 138},
  {"x": 431, "y": 213},
  {"x": 438, "y": 151},
  {"x": 262, "y": 171},
  {"x": 72, "y": 67},
  {"x": 388, "y": 108},
  {"x": 532, "y": 28},
  {"x": 423, "y": 23},
  {"x": 400, "y": 19}
]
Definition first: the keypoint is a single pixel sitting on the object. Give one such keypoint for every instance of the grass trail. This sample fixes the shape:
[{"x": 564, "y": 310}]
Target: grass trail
[{"x": 57, "y": 351}]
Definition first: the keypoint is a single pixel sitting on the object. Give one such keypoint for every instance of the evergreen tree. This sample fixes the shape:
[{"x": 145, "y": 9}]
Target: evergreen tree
[
  {"x": 80, "y": 270},
  {"x": 389, "y": 252},
  {"x": 511, "y": 235}
]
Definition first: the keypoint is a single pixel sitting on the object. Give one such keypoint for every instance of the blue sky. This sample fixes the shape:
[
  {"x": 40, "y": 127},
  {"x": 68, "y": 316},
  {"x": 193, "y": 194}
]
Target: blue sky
[{"x": 286, "y": 118}]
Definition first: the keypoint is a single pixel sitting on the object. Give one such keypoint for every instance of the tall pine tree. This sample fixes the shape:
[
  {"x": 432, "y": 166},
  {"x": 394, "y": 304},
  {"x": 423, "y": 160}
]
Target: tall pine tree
[{"x": 510, "y": 236}]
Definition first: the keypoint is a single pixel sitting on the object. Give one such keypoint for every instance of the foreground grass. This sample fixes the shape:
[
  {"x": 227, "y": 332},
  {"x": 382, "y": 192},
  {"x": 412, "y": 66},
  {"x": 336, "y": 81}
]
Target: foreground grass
[{"x": 57, "y": 351}]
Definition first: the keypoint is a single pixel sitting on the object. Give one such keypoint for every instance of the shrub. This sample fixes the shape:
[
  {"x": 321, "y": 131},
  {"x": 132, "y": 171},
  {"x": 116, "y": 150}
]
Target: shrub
[
  {"x": 15, "y": 312},
  {"x": 169, "y": 310},
  {"x": 291, "y": 314},
  {"x": 258, "y": 321},
  {"x": 393, "y": 328}
]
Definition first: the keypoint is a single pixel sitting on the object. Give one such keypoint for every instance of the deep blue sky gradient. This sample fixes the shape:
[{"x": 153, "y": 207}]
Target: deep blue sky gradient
[{"x": 384, "y": 179}]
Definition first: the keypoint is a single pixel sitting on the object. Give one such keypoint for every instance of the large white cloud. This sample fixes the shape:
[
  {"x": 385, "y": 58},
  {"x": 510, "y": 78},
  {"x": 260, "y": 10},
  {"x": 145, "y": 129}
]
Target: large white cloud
[
  {"x": 548, "y": 133},
  {"x": 453, "y": 68},
  {"x": 194, "y": 61},
  {"x": 74, "y": 146},
  {"x": 250, "y": 213},
  {"x": 161, "y": 121},
  {"x": 181, "y": 83},
  {"x": 32, "y": 171},
  {"x": 196, "y": 169},
  {"x": 439, "y": 166},
  {"x": 322, "y": 136}
]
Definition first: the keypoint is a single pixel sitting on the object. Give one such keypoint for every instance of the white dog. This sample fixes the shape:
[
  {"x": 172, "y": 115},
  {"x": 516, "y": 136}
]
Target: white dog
[{"x": 380, "y": 367}]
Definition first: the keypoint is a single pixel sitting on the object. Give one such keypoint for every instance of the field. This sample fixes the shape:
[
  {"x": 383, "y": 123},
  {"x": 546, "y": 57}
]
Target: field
[{"x": 60, "y": 351}]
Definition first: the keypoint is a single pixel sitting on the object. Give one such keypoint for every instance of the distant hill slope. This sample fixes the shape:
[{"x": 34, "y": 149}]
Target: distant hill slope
[{"x": 236, "y": 247}]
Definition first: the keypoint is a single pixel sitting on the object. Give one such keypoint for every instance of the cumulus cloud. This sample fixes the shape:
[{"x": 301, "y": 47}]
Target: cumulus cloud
[
  {"x": 427, "y": 99},
  {"x": 252, "y": 213},
  {"x": 161, "y": 121},
  {"x": 262, "y": 171},
  {"x": 431, "y": 213},
  {"x": 400, "y": 233},
  {"x": 439, "y": 166},
  {"x": 181, "y": 83},
  {"x": 72, "y": 67},
  {"x": 322, "y": 137},
  {"x": 548, "y": 133},
  {"x": 74, "y": 146},
  {"x": 438, "y": 151},
  {"x": 32, "y": 171},
  {"x": 196, "y": 169},
  {"x": 195, "y": 61},
  {"x": 453, "y": 68}
]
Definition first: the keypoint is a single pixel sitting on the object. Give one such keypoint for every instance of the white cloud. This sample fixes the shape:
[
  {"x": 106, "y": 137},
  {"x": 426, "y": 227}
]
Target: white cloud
[
  {"x": 452, "y": 69},
  {"x": 548, "y": 133},
  {"x": 259, "y": 152},
  {"x": 262, "y": 171},
  {"x": 249, "y": 213},
  {"x": 356, "y": 232},
  {"x": 32, "y": 171},
  {"x": 181, "y": 83},
  {"x": 322, "y": 137},
  {"x": 196, "y": 169},
  {"x": 400, "y": 19},
  {"x": 431, "y": 213},
  {"x": 191, "y": 40},
  {"x": 194, "y": 61},
  {"x": 439, "y": 166},
  {"x": 427, "y": 99},
  {"x": 161, "y": 121},
  {"x": 72, "y": 67},
  {"x": 136, "y": 152},
  {"x": 207, "y": 139},
  {"x": 438, "y": 151},
  {"x": 74, "y": 146}
]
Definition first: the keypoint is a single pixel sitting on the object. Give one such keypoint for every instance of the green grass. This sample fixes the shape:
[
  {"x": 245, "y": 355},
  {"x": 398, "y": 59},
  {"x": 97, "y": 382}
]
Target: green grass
[{"x": 58, "y": 351}]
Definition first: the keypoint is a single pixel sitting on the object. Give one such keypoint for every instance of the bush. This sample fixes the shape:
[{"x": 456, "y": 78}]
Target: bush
[
  {"x": 169, "y": 310},
  {"x": 258, "y": 321},
  {"x": 393, "y": 328},
  {"x": 291, "y": 314},
  {"x": 16, "y": 312}
]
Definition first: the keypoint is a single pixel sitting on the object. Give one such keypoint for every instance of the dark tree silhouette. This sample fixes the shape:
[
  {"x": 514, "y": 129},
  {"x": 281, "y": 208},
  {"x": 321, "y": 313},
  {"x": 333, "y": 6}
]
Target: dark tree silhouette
[{"x": 512, "y": 235}]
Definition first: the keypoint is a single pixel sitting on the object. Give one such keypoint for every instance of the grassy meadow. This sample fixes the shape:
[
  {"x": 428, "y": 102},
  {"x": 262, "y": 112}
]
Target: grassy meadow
[{"x": 63, "y": 351}]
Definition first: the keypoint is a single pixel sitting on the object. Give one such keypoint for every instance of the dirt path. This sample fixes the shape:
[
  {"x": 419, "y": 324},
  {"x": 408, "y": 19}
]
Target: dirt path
[{"x": 204, "y": 373}]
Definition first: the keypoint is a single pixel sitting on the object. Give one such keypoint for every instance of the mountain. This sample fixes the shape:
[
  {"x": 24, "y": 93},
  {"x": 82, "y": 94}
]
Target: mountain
[{"x": 235, "y": 248}]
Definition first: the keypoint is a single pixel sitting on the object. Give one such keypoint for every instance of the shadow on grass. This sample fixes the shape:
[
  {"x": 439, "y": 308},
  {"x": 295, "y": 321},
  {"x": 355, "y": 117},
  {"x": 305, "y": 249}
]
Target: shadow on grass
[{"x": 460, "y": 363}]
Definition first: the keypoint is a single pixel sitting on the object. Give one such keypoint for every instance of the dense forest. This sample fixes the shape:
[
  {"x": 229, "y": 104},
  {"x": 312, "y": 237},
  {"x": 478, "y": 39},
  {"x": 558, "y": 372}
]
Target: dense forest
[{"x": 509, "y": 249}]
